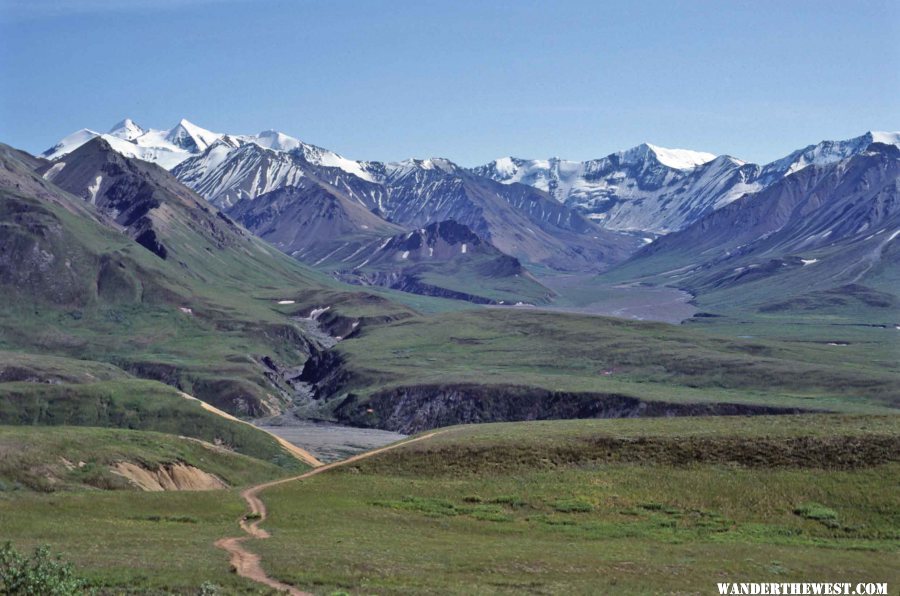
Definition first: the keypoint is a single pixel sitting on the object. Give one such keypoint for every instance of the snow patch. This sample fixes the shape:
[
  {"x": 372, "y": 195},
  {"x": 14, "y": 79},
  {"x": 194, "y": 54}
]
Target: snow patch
[
  {"x": 464, "y": 248},
  {"x": 285, "y": 302},
  {"x": 317, "y": 312},
  {"x": 680, "y": 159},
  {"x": 54, "y": 170},
  {"x": 809, "y": 261},
  {"x": 93, "y": 188}
]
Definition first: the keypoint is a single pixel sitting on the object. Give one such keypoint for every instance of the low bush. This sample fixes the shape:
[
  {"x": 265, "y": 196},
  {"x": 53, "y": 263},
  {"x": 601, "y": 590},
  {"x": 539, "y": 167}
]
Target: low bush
[{"x": 41, "y": 573}]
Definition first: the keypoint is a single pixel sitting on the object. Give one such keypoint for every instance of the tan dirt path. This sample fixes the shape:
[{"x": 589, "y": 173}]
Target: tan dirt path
[{"x": 249, "y": 565}]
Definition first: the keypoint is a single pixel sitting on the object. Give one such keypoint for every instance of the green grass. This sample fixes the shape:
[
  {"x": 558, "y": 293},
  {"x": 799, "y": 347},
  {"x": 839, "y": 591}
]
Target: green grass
[
  {"x": 651, "y": 361},
  {"x": 405, "y": 523},
  {"x": 807, "y": 440},
  {"x": 127, "y": 542},
  {"x": 66, "y": 458},
  {"x": 465, "y": 276},
  {"x": 501, "y": 508}
]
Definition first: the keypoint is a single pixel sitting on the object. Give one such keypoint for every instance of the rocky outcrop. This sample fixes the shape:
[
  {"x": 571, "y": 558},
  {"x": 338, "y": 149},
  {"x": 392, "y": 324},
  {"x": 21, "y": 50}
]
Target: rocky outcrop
[
  {"x": 418, "y": 408},
  {"x": 406, "y": 282},
  {"x": 177, "y": 476}
]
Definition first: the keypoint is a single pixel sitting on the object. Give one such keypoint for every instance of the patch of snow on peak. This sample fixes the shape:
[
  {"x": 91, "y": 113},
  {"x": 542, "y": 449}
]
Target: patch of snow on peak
[
  {"x": 680, "y": 159},
  {"x": 888, "y": 138},
  {"x": 505, "y": 167},
  {"x": 54, "y": 170},
  {"x": 277, "y": 141},
  {"x": 330, "y": 159},
  {"x": 70, "y": 143}
]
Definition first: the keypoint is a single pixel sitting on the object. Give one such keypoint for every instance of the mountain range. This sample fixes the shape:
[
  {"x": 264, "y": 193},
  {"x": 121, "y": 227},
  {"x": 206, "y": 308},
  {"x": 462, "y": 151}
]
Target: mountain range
[
  {"x": 646, "y": 189},
  {"x": 822, "y": 236},
  {"x": 345, "y": 217},
  {"x": 656, "y": 190}
]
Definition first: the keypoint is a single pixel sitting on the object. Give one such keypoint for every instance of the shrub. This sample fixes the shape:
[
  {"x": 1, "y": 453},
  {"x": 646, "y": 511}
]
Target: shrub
[
  {"x": 41, "y": 573},
  {"x": 208, "y": 588},
  {"x": 816, "y": 512},
  {"x": 573, "y": 506},
  {"x": 509, "y": 501}
]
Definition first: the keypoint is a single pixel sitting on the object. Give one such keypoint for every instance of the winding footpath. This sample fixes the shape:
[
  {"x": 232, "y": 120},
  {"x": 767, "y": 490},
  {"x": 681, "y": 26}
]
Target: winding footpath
[{"x": 249, "y": 565}]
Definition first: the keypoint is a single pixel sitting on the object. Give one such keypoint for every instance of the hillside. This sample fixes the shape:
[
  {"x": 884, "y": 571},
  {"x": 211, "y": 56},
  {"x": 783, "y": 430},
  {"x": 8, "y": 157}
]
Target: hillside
[
  {"x": 444, "y": 259},
  {"x": 184, "y": 296},
  {"x": 71, "y": 459},
  {"x": 500, "y": 364}
]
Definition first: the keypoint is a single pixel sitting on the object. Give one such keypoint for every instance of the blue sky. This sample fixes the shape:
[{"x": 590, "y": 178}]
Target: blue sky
[{"x": 466, "y": 80}]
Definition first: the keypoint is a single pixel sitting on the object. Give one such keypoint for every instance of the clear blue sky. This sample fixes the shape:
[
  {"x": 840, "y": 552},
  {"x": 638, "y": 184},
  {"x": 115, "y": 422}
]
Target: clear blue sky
[{"x": 468, "y": 80}]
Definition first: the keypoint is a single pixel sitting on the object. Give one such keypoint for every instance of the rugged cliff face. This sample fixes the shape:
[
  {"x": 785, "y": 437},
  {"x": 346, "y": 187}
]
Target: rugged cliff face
[{"x": 418, "y": 408}]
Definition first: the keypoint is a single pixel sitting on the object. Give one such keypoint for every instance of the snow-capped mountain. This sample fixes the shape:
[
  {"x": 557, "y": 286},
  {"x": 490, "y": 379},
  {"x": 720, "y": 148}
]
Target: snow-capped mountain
[
  {"x": 230, "y": 171},
  {"x": 170, "y": 147},
  {"x": 628, "y": 190},
  {"x": 517, "y": 219},
  {"x": 564, "y": 214},
  {"x": 821, "y": 227},
  {"x": 827, "y": 152},
  {"x": 166, "y": 148},
  {"x": 659, "y": 190}
]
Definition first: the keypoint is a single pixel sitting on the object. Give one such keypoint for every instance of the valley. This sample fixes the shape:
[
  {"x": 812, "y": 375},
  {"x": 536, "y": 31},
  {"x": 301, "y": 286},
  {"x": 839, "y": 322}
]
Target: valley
[{"x": 604, "y": 375}]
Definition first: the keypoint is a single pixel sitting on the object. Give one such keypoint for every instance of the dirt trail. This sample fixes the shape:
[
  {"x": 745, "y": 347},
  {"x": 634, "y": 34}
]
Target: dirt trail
[
  {"x": 249, "y": 565},
  {"x": 301, "y": 454}
]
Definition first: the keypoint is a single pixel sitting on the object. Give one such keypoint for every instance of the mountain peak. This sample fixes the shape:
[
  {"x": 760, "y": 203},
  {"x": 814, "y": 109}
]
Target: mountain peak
[
  {"x": 190, "y": 137},
  {"x": 126, "y": 129},
  {"x": 275, "y": 140}
]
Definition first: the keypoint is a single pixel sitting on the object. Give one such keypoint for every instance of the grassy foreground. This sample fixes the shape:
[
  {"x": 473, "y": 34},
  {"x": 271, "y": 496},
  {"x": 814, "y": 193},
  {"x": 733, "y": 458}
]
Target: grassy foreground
[
  {"x": 576, "y": 507},
  {"x": 536, "y": 508},
  {"x": 122, "y": 541},
  {"x": 125, "y": 542}
]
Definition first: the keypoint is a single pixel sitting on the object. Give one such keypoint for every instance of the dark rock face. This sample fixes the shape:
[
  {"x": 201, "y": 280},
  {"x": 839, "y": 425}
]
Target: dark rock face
[
  {"x": 415, "y": 409},
  {"x": 325, "y": 371},
  {"x": 148, "y": 240}
]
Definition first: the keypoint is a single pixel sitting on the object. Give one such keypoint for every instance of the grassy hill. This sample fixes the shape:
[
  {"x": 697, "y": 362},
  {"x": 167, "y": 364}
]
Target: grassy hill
[
  {"x": 466, "y": 366},
  {"x": 70, "y": 458}
]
